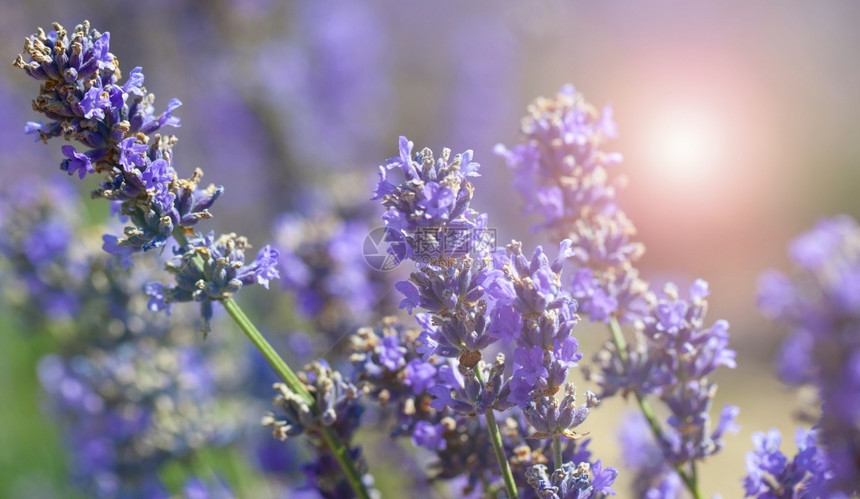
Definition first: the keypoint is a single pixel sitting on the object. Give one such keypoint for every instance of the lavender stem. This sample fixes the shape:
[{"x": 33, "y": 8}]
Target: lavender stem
[
  {"x": 496, "y": 439},
  {"x": 556, "y": 451},
  {"x": 336, "y": 447},
  {"x": 621, "y": 346}
]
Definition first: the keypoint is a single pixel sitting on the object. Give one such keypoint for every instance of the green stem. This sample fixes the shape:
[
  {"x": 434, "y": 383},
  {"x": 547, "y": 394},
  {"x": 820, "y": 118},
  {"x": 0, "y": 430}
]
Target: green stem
[
  {"x": 690, "y": 481},
  {"x": 332, "y": 441},
  {"x": 347, "y": 465},
  {"x": 505, "y": 467},
  {"x": 556, "y": 451},
  {"x": 496, "y": 439},
  {"x": 272, "y": 357}
]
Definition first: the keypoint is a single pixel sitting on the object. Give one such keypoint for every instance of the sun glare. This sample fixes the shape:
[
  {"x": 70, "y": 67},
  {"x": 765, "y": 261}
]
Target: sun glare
[{"x": 686, "y": 148}]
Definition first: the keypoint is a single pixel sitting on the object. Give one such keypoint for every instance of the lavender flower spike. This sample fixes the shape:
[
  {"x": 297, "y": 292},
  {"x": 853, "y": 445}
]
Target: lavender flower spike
[
  {"x": 115, "y": 123},
  {"x": 820, "y": 302},
  {"x": 561, "y": 171},
  {"x": 771, "y": 474},
  {"x": 209, "y": 269},
  {"x": 430, "y": 205}
]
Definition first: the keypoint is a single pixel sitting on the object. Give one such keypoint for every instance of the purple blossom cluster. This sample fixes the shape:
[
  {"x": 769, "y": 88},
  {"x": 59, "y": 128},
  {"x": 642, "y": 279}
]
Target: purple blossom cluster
[
  {"x": 337, "y": 407},
  {"x": 116, "y": 123},
  {"x": 207, "y": 269},
  {"x": 653, "y": 478},
  {"x": 417, "y": 395},
  {"x": 393, "y": 373},
  {"x": 770, "y": 474},
  {"x": 561, "y": 174},
  {"x": 321, "y": 263},
  {"x": 428, "y": 201},
  {"x": 820, "y": 302},
  {"x": 674, "y": 359},
  {"x": 83, "y": 96},
  {"x": 561, "y": 171},
  {"x": 541, "y": 315},
  {"x": 391, "y": 370},
  {"x": 36, "y": 241},
  {"x": 473, "y": 298},
  {"x": 568, "y": 482}
]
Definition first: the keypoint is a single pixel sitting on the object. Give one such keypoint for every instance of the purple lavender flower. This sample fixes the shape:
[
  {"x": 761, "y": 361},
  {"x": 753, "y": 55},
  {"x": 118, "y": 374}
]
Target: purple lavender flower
[
  {"x": 209, "y": 269},
  {"x": 76, "y": 162},
  {"x": 466, "y": 394},
  {"x": 569, "y": 482},
  {"x": 561, "y": 173},
  {"x": 545, "y": 349},
  {"x": 322, "y": 263},
  {"x": 336, "y": 407},
  {"x": 654, "y": 477},
  {"x": 458, "y": 324},
  {"x": 116, "y": 123},
  {"x": 819, "y": 302},
  {"x": 402, "y": 388},
  {"x": 37, "y": 222},
  {"x": 550, "y": 417},
  {"x": 675, "y": 361},
  {"x": 770, "y": 474},
  {"x": 430, "y": 206},
  {"x": 117, "y": 435}
]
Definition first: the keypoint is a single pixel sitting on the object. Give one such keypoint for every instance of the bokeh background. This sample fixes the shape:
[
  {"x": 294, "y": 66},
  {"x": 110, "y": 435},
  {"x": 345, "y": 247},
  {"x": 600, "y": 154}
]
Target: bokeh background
[{"x": 738, "y": 124}]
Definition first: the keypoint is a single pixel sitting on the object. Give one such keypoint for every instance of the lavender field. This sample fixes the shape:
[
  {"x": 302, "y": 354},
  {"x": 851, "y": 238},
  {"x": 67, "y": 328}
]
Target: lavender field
[{"x": 549, "y": 249}]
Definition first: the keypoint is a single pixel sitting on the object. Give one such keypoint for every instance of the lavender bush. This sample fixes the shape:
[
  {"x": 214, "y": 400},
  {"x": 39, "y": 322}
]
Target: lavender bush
[{"x": 472, "y": 384}]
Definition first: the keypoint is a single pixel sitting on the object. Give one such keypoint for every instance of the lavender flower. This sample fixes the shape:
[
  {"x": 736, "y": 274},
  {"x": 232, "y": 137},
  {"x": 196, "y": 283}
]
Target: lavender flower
[
  {"x": 336, "y": 407},
  {"x": 467, "y": 453},
  {"x": 320, "y": 260},
  {"x": 820, "y": 301},
  {"x": 458, "y": 325},
  {"x": 431, "y": 209},
  {"x": 116, "y": 124},
  {"x": 771, "y": 475},
  {"x": 84, "y": 98},
  {"x": 545, "y": 349},
  {"x": 677, "y": 356},
  {"x": 430, "y": 206},
  {"x": 569, "y": 482},
  {"x": 209, "y": 269},
  {"x": 561, "y": 173},
  {"x": 550, "y": 417},
  {"x": 36, "y": 240},
  {"x": 389, "y": 368},
  {"x": 653, "y": 477},
  {"x": 404, "y": 388}
]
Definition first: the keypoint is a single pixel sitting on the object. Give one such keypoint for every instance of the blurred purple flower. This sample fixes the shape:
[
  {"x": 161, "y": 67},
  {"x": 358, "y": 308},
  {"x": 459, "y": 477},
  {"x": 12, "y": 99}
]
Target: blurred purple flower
[{"x": 819, "y": 302}]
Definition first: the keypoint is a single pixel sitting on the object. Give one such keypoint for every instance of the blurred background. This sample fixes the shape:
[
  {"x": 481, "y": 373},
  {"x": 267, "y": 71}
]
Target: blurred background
[{"x": 738, "y": 123}]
